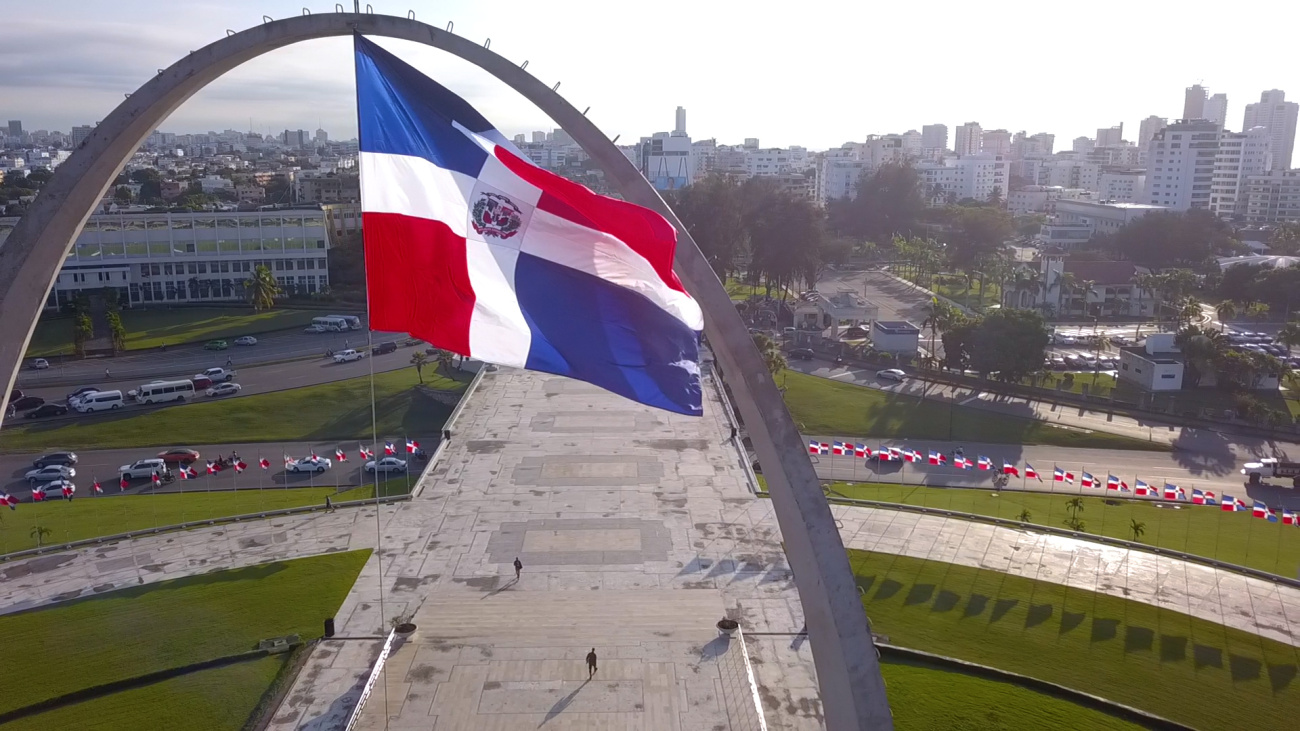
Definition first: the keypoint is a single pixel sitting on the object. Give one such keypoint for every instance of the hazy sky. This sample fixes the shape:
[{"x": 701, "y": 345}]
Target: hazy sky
[{"x": 816, "y": 73}]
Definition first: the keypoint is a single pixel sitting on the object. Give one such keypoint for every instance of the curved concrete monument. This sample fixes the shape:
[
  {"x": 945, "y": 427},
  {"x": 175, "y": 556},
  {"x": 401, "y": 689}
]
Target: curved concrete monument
[{"x": 852, "y": 691}]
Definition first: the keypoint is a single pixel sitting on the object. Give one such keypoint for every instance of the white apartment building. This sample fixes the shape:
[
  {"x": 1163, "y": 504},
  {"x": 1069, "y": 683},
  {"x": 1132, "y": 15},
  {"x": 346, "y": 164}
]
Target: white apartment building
[
  {"x": 996, "y": 142},
  {"x": 975, "y": 176},
  {"x": 1121, "y": 186},
  {"x": 837, "y": 177},
  {"x": 1110, "y": 136},
  {"x": 912, "y": 144},
  {"x": 1180, "y": 165},
  {"x": 934, "y": 137},
  {"x": 1146, "y": 130},
  {"x": 968, "y": 139},
  {"x": 183, "y": 258},
  {"x": 666, "y": 161},
  {"x": 1240, "y": 155},
  {"x": 1068, "y": 174},
  {"x": 1216, "y": 109},
  {"x": 1273, "y": 198},
  {"x": 1082, "y": 145},
  {"x": 1278, "y": 116},
  {"x": 1039, "y": 146},
  {"x": 777, "y": 161},
  {"x": 1042, "y": 198},
  {"x": 1101, "y": 216}
]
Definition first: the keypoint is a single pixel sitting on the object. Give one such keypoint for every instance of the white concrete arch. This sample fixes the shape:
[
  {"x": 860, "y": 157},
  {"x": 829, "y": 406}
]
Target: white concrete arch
[{"x": 852, "y": 691}]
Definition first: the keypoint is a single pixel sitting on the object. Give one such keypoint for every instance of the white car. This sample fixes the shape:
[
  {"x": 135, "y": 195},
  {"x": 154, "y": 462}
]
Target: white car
[
  {"x": 349, "y": 355},
  {"x": 1059, "y": 339},
  {"x": 891, "y": 374},
  {"x": 49, "y": 473},
  {"x": 246, "y": 340},
  {"x": 307, "y": 464},
  {"x": 142, "y": 469},
  {"x": 224, "y": 389},
  {"x": 313, "y": 329},
  {"x": 216, "y": 374},
  {"x": 54, "y": 490},
  {"x": 387, "y": 464},
  {"x": 40, "y": 364}
]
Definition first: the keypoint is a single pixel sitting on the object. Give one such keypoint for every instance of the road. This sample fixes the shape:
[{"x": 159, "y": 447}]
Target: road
[
  {"x": 103, "y": 465},
  {"x": 144, "y": 365}
]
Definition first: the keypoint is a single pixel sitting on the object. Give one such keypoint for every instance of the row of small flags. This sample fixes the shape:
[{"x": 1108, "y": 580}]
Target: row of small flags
[
  {"x": 1086, "y": 479},
  {"x": 187, "y": 472}
]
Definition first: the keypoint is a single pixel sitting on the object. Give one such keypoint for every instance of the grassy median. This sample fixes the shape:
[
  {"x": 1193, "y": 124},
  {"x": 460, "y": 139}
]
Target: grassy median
[
  {"x": 150, "y": 328},
  {"x": 1186, "y": 669},
  {"x": 127, "y": 633},
  {"x": 824, "y": 406},
  {"x": 1204, "y": 530},
  {"x": 339, "y": 410}
]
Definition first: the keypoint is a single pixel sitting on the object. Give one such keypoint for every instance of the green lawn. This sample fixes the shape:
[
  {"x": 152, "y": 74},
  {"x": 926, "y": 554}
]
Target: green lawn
[
  {"x": 210, "y": 700},
  {"x": 127, "y": 633},
  {"x": 151, "y": 328},
  {"x": 825, "y": 406},
  {"x": 738, "y": 290},
  {"x": 1098, "y": 384},
  {"x": 1186, "y": 669},
  {"x": 929, "y": 698},
  {"x": 87, "y": 516},
  {"x": 1202, "y": 530},
  {"x": 338, "y": 410},
  {"x": 957, "y": 292}
]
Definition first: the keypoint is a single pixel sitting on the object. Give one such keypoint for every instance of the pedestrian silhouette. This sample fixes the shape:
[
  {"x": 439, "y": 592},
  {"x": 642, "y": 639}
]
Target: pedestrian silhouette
[
  {"x": 591, "y": 662},
  {"x": 518, "y": 567}
]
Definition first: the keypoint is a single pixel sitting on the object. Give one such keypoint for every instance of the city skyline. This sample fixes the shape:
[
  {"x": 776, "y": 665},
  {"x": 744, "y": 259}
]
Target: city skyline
[{"x": 731, "y": 86}]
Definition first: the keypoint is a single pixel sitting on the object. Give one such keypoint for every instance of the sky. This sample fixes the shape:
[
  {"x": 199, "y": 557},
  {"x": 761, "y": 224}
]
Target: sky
[{"x": 817, "y": 73}]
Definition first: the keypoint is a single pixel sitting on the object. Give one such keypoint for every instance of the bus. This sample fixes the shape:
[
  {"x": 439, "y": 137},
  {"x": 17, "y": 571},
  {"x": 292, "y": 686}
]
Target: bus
[
  {"x": 160, "y": 391},
  {"x": 331, "y": 323},
  {"x": 353, "y": 321}
]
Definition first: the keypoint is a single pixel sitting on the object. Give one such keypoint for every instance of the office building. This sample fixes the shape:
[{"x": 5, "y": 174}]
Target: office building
[
  {"x": 679, "y": 129},
  {"x": 1121, "y": 186},
  {"x": 1274, "y": 113},
  {"x": 15, "y": 128},
  {"x": 1216, "y": 109},
  {"x": 79, "y": 135},
  {"x": 1240, "y": 156},
  {"x": 1082, "y": 145},
  {"x": 1273, "y": 198},
  {"x": 313, "y": 187},
  {"x": 1110, "y": 136},
  {"x": 996, "y": 142},
  {"x": 666, "y": 161},
  {"x": 934, "y": 137},
  {"x": 1180, "y": 165},
  {"x": 178, "y": 258},
  {"x": 1148, "y": 129},
  {"x": 1037, "y": 146},
  {"x": 968, "y": 138},
  {"x": 1194, "y": 102}
]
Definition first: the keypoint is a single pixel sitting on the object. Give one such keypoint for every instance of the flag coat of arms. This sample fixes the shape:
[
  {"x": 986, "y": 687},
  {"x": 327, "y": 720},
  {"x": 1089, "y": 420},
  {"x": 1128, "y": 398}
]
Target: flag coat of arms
[
  {"x": 1144, "y": 489},
  {"x": 837, "y": 448},
  {"x": 862, "y": 450},
  {"x": 473, "y": 248}
]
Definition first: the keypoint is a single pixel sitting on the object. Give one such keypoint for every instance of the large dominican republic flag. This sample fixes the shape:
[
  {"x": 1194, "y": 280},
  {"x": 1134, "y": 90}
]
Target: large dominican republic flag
[{"x": 475, "y": 249}]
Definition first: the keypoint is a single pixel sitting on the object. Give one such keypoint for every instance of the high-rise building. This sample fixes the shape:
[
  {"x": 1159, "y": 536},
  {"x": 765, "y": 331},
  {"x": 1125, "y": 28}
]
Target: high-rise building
[
  {"x": 1037, "y": 146},
  {"x": 1148, "y": 129},
  {"x": 1194, "y": 102},
  {"x": 912, "y": 143},
  {"x": 15, "y": 128},
  {"x": 679, "y": 129},
  {"x": 1110, "y": 136},
  {"x": 1216, "y": 109},
  {"x": 1082, "y": 144},
  {"x": 996, "y": 142},
  {"x": 934, "y": 137},
  {"x": 1273, "y": 198},
  {"x": 1180, "y": 165},
  {"x": 322, "y": 136},
  {"x": 1278, "y": 116},
  {"x": 967, "y": 140},
  {"x": 538, "y": 137},
  {"x": 1241, "y": 155},
  {"x": 79, "y": 135}
]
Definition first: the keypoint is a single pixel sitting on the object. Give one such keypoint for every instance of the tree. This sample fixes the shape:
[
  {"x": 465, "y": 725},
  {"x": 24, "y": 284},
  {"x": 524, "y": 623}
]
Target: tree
[
  {"x": 117, "y": 331},
  {"x": 1075, "y": 506},
  {"x": 886, "y": 202},
  {"x": 262, "y": 289},
  {"x": 1025, "y": 516},
  {"x": 1257, "y": 310},
  {"x": 785, "y": 232},
  {"x": 1226, "y": 310},
  {"x": 418, "y": 359},
  {"x": 1136, "y": 528},
  {"x": 1189, "y": 310},
  {"x": 122, "y": 194},
  {"x": 1168, "y": 239},
  {"x": 771, "y": 352},
  {"x": 711, "y": 209},
  {"x": 939, "y": 315},
  {"x": 39, "y": 532},
  {"x": 1285, "y": 240},
  {"x": 1009, "y": 343},
  {"x": 958, "y": 342},
  {"x": 977, "y": 233},
  {"x": 1289, "y": 335}
]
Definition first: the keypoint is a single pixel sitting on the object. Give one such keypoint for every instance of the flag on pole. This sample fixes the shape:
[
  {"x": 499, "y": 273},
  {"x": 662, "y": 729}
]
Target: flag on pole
[
  {"x": 962, "y": 462},
  {"x": 1198, "y": 497},
  {"x": 1123, "y": 486},
  {"x": 122, "y": 483},
  {"x": 10, "y": 500},
  {"x": 1031, "y": 472},
  {"x": 1260, "y": 510},
  {"x": 339, "y": 455},
  {"x": 813, "y": 448},
  {"x": 365, "y": 453},
  {"x": 264, "y": 463},
  {"x": 213, "y": 468},
  {"x": 1171, "y": 491},
  {"x": 1144, "y": 489},
  {"x": 69, "y": 489},
  {"x": 1060, "y": 475},
  {"x": 935, "y": 457},
  {"x": 895, "y": 453},
  {"x": 984, "y": 463},
  {"x": 97, "y": 488},
  {"x": 38, "y": 494},
  {"x": 1288, "y": 517},
  {"x": 848, "y": 449},
  {"x": 1086, "y": 480},
  {"x": 1210, "y": 498},
  {"x": 1112, "y": 482},
  {"x": 314, "y": 458},
  {"x": 477, "y": 250},
  {"x": 240, "y": 466},
  {"x": 156, "y": 480},
  {"x": 1231, "y": 504},
  {"x": 837, "y": 448},
  {"x": 189, "y": 473},
  {"x": 862, "y": 451},
  {"x": 389, "y": 449},
  {"x": 287, "y": 460},
  {"x": 911, "y": 455},
  {"x": 1009, "y": 469}
]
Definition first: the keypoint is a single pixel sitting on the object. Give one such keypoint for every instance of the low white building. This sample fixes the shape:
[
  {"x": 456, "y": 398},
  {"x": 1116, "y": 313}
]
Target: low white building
[
  {"x": 1156, "y": 366},
  {"x": 958, "y": 178},
  {"x": 895, "y": 336},
  {"x": 1101, "y": 216},
  {"x": 1121, "y": 187}
]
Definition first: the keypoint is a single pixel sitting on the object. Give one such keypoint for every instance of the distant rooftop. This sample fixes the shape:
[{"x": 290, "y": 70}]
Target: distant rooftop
[{"x": 897, "y": 327}]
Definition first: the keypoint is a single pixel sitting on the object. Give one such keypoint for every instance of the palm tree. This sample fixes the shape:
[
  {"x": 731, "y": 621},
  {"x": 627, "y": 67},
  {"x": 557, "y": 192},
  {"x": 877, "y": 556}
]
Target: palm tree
[
  {"x": 1137, "y": 528},
  {"x": 1087, "y": 286},
  {"x": 1289, "y": 335},
  {"x": 1025, "y": 516},
  {"x": 1202, "y": 349},
  {"x": 1189, "y": 311},
  {"x": 771, "y": 352},
  {"x": 1257, "y": 310},
  {"x": 418, "y": 359},
  {"x": 1075, "y": 506},
  {"x": 1226, "y": 310},
  {"x": 938, "y": 314},
  {"x": 39, "y": 532},
  {"x": 1065, "y": 283},
  {"x": 262, "y": 288}
]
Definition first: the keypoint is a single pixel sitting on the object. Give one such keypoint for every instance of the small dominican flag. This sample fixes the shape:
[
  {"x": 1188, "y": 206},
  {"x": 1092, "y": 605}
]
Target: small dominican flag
[
  {"x": 1210, "y": 499},
  {"x": 156, "y": 479},
  {"x": 862, "y": 450},
  {"x": 1289, "y": 517},
  {"x": 911, "y": 455},
  {"x": 412, "y": 445},
  {"x": 365, "y": 453},
  {"x": 962, "y": 462},
  {"x": 1198, "y": 497},
  {"x": 984, "y": 463},
  {"x": 813, "y": 448},
  {"x": 836, "y": 448},
  {"x": 1112, "y": 482},
  {"x": 1009, "y": 469},
  {"x": 122, "y": 484},
  {"x": 69, "y": 488},
  {"x": 38, "y": 494},
  {"x": 895, "y": 453},
  {"x": 240, "y": 466},
  {"x": 1144, "y": 489},
  {"x": 10, "y": 500},
  {"x": 1031, "y": 472},
  {"x": 1086, "y": 480},
  {"x": 1123, "y": 486},
  {"x": 264, "y": 463},
  {"x": 96, "y": 487},
  {"x": 339, "y": 455},
  {"x": 288, "y": 460},
  {"x": 1060, "y": 475},
  {"x": 1260, "y": 510},
  {"x": 389, "y": 448},
  {"x": 314, "y": 457},
  {"x": 185, "y": 473},
  {"x": 848, "y": 449},
  {"x": 936, "y": 457},
  {"x": 1232, "y": 504},
  {"x": 1171, "y": 491},
  {"x": 213, "y": 468}
]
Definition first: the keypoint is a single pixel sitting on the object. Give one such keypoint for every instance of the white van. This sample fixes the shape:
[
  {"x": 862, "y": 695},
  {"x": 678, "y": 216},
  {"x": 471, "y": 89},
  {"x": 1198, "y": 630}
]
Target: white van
[
  {"x": 354, "y": 322},
  {"x": 331, "y": 323},
  {"x": 100, "y": 401},
  {"x": 161, "y": 391}
]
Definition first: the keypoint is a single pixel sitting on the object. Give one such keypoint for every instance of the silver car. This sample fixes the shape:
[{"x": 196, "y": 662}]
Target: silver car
[{"x": 50, "y": 473}]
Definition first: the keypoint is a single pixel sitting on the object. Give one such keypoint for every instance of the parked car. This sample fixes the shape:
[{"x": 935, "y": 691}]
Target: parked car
[
  {"x": 224, "y": 389},
  {"x": 45, "y": 410},
  {"x": 179, "y": 455},
  {"x": 387, "y": 464},
  {"x": 386, "y": 347},
  {"x": 891, "y": 374},
  {"x": 201, "y": 382},
  {"x": 801, "y": 354},
  {"x": 1058, "y": 363},
  {"x": 216, "y": 345},
  {"x": 50, "y": 472},
  {"x": 81, "y": 392},
  {"x": 349, "y": 355},
  {"x": 54, "y": 490},
  {"x": 1058, "y": 339},
  {"x": 1120, "y": 340},
  {"x": 28, "y": 402},
  {"x": 246, "y": 340},
  {"x": 15, "y": 394},
  {"x": 1074, "y": 362},
  {"x": 40, "y": 364},
  {"x": 143, "y": 468},
  {"x": 66, "y": 459},
  {"x": 307, "y": 464}
]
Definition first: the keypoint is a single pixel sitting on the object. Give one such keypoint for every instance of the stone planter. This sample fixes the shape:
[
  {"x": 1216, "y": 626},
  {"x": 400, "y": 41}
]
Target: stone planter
[
  {"x": 728, "y": 627},
  {"x": 404, "y": 630}
]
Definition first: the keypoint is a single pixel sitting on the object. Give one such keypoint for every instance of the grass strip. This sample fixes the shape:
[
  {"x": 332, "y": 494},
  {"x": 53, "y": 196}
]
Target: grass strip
[
  {"x": 1171, "y": 664},
  {"x": 151, "y": 328}
]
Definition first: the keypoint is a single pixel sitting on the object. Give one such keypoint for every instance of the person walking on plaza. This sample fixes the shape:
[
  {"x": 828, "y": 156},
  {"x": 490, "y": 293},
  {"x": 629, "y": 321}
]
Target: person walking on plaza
[
  {"x": 519, "y": 566},
  {"x": 591, "y": 663}
]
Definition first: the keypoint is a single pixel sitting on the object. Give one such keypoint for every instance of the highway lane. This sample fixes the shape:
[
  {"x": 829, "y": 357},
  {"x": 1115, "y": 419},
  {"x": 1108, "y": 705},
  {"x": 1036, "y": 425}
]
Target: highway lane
[
  {"x": 103, "y": 465},
  {"x": 1155, "y": 468},
  {"x": 146, "y": 365}
]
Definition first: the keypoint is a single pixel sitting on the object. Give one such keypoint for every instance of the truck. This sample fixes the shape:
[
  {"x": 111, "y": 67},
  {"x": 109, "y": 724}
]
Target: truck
[
  {"x": 216, "y": 375},
  {"x": 349, "y": 355},
  {"x": 1256, "y": 472}
]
